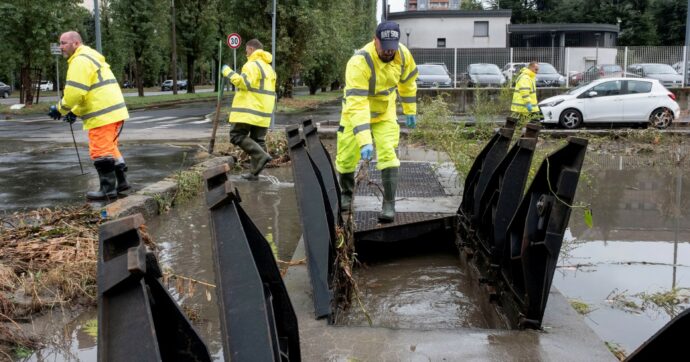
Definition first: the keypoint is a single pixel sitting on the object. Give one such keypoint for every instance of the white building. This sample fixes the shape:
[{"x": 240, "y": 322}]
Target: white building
[{"x": 453, "y": 28}]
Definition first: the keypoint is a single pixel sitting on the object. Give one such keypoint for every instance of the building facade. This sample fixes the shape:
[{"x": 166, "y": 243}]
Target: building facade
[
  {"x": 453, "y": 28},
  {"x": 413, "y": 5}
]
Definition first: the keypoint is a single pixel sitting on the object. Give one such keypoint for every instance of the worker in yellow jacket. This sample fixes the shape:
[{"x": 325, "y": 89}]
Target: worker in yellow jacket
[
  {"x": 376, "y": 76},
  {"x": 252, "y": 106},
  {"x": 92, "y": 93},
  {"x": 525, "y": 95}
]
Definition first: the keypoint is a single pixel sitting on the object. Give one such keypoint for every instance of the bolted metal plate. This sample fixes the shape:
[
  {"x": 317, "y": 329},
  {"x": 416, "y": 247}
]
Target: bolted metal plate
[
  {"x": 416, "y": 179},
  {"x": 368, "y": 220}
]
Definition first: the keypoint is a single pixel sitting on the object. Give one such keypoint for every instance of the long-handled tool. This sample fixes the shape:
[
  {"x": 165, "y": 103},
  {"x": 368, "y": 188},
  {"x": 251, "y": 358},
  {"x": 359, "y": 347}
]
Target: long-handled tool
[
  {"x": 212, "y": 143},
  {"x": 76, "y": 149}
]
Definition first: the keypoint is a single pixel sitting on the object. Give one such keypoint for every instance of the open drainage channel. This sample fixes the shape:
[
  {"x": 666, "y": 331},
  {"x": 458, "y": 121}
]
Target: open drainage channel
[{"x": 256, "y": 316}]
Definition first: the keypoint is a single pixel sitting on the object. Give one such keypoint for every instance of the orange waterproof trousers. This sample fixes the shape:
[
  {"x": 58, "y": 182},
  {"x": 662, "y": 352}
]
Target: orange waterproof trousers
[{"x": 103, "y": 141}]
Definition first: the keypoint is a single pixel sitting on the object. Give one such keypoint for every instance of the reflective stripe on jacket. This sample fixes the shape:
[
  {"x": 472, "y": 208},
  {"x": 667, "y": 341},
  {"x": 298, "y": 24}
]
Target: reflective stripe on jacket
[
  {"x": 256, "y": 91},
  {"x": 525, "y": 92},
  {"x": 91, "y": 90},
  {"x": 372, "y": 86}
]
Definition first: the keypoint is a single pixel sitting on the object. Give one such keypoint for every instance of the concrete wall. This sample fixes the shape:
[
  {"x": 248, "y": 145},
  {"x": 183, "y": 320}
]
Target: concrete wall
[
  {"x": 461, "y": 99},
  {"x": 458, "y": 31}
]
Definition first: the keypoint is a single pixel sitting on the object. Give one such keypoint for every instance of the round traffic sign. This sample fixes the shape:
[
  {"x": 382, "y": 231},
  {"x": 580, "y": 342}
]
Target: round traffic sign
[{"x": 234, "y": 40}]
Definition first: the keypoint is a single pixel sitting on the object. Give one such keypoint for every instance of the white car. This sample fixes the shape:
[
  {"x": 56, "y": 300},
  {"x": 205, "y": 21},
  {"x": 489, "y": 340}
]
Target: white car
[
  {"x": 613, "y": 100},
  {"x": 46, "y": 85}
]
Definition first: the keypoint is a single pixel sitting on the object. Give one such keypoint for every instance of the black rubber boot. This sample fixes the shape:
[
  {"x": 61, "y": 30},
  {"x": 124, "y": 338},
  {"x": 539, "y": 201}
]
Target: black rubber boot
[
  {"x": 259, "y": 157},
  {"x": 389, "y": 177},
  {"x": 347, "y": 186},
  {"x": 107, "y": 178},
  {"x": 122, "y": 184}
]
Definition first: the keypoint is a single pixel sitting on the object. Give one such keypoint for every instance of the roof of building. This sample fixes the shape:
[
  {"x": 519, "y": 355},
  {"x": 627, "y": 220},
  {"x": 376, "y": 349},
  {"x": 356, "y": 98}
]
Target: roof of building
[
  {"x": 575, "y": 27},
  {"x": 421, "y": 14}
]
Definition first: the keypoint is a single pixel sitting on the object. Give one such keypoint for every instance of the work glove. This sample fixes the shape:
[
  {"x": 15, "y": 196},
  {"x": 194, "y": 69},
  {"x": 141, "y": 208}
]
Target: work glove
[
  {"x": 70, "y": 118},
  {"x": 411, "y": 121},
  {"x": 54, "y": 113},
  {"x": 529, "y": 107},
  {"x": 225, "y": 70},
  {"x": 366, "y": 152}
]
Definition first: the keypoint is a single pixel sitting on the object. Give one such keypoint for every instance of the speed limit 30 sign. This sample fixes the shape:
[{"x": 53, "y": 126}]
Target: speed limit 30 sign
[{"x": 234, "y": 40}]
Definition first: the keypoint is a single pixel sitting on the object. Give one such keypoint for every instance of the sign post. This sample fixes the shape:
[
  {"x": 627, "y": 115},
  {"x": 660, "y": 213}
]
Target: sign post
[
  {"x": 55, "y": 50},
  {"x": 234, "y": 42}
]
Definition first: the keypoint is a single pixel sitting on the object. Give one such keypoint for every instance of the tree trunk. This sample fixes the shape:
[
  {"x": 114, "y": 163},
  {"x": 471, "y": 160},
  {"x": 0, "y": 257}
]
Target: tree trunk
[
  {"x": 335, "y": 85},
  {"x": 138, "y": 70},
  {"x": 288, "y": 88},
  {"x": 313, "y": 88},
  {"x": 190, "y": 73},
  {"x": 324, "y": 88}
]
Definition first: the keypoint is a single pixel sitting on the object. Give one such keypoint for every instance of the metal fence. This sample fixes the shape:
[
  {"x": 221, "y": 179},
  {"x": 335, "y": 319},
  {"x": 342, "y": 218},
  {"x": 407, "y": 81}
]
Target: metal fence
[{"x": 571, "y": 63}]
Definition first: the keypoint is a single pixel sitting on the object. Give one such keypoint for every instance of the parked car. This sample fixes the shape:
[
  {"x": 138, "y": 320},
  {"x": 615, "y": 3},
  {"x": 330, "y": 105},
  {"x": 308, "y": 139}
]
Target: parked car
[
  {"x": 510, "y": 70},
  {"x": 596, "y": 72},
  {"x": 46, "y": 85},
  {"x": 548, "y": 76},
  {"x": 678, "y": 67},
  {"x": 663, "y": 72},
  {"x": 5, "y": 90},
  {"x": 129, "y": 84},
  {"x": 433, "y": 75},
  {"x": 613, "y": 100},
  {"x": 167, "y": 85},
  {"x": 484, "y": 74}
]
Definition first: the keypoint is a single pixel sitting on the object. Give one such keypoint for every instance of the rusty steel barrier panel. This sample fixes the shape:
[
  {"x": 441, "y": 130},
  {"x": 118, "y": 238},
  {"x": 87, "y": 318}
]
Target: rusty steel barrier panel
[
  {"x": 667, "y": 344},
  {"x": 502, "y": 196},
  {"x": 318, "y": 226},
  {"x": 481, "y": 169},
  {"x": 137, "y": 318},
  {"x": 257, "y": 320},
  {"x": 322, "y": 160},
  {"x": 535, "y": 234}
]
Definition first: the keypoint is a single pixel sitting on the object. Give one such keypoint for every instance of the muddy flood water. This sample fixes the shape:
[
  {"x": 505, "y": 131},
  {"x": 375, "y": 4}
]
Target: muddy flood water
[{"x": 638, "y": 244}]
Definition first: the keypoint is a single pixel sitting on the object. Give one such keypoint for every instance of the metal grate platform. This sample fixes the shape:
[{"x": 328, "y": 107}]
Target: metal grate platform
[
  {"x": 416, "y": 179},
  {"x": 368, "y": 220}
]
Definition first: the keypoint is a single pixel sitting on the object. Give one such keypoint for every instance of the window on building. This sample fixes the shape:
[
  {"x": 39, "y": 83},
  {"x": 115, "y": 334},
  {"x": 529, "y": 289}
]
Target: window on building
[
  {"x": 441, "y": 42},
  {"x": 454, "y": 4},
  {"x": 481, "y": 28},
  {"x": 422, "y": 4}
]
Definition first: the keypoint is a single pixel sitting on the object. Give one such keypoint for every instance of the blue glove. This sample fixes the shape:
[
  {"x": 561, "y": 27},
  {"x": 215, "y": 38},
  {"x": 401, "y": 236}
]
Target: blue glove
[
  {"x": 529, "y": 107},
  {"x": 366, "y": 152},
  {"x": 411, "y": 121},
  {"x": 54, "y": 113},
  {"x": 70, "y": 118},
  {"x": 225, "y": 70}
]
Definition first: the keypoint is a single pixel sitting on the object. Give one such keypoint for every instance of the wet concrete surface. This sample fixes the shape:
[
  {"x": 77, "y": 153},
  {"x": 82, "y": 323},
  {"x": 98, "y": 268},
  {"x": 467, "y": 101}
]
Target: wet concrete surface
[{"x": 52, "y": 177}]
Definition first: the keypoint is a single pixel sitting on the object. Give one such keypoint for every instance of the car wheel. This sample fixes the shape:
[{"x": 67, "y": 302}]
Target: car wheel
[
  {"x": 661, "y": 118},
  {"x": 570, "y": 119},
  {"x": 5, "y": 94}
]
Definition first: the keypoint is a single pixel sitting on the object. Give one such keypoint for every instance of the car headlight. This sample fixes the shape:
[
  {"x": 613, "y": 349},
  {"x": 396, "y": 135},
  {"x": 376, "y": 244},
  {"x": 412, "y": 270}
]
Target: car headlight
[
  {"x": 561, "y": 79},
  {"x": 447, "y": 82},
  {"x": 552, "y": 103}
]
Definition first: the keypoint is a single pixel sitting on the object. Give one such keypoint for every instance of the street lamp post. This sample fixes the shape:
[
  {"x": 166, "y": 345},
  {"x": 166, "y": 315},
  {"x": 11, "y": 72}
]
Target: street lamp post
[
  {"x": 553, "y": 36},
  {"x": 407, "y": 32}
]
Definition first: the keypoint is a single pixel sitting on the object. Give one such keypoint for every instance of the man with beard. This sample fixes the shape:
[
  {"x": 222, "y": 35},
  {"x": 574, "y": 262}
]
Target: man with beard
[{"x": 375, "y": 77}]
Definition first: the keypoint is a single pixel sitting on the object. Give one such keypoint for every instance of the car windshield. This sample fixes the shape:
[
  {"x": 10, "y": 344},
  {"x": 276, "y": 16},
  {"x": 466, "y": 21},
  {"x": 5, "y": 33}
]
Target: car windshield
[
  {"x": 546, "y": 68},
  {"x": 426, "y": 69},
  {"x": 659, "y": 69},
  {"x": 578, "y": 88},
  {"x": 484, "y": 69},
  {"x": 612, "y": 68}
]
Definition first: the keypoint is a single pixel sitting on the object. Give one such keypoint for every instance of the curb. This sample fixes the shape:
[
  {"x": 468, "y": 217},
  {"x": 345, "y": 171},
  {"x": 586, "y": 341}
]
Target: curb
[{"x": 145, "y": 201}]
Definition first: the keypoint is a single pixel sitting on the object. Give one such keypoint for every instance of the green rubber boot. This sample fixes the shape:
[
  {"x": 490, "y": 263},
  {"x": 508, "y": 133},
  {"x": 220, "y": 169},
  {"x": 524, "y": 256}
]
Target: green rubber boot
[
  {"x": 347, "y": 186},
  {"x": 259, "y": 158},
  {"x": 107, "y": 178},
  {"x": 389, "y": 177}
]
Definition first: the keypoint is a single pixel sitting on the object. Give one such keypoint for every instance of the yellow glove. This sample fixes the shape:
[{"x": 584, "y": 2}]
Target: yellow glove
[{"x": 225, "y": 70}]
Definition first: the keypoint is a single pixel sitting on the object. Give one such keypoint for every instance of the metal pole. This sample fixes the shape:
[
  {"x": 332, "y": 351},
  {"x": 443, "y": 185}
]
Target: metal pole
[
  {"x": 234, "y": 59},
  {"x": 273, "y": 52},
  {"x": 174, "y": 50},
  {"x": 455, "y": 68},
  {"x": 57, "y": 76},
  {"x": 685, "y": 68},
  {"x": 679, "y": 183},
  {"x": 687, "y": 43},
  {"x": 97, "y": 20},
  {"x": 567, "y": 67},
  {"x": 625, "y": 62}
]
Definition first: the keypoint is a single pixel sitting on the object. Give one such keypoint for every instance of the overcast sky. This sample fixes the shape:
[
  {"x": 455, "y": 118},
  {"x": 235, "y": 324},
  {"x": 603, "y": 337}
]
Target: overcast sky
[{"x": 395, "y": 6}]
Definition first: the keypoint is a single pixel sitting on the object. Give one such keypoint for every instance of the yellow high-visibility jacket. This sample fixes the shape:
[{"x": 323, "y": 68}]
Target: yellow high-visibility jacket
[
  {"x": 525, "y": 92},
  {"x": 372, "y": 86},
  {"x": 256, "y": 90},
  {"x": 91, "y": 90}
]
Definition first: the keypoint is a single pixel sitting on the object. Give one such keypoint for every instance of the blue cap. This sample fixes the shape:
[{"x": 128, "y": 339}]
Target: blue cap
[{"x": 388, "y": 32}]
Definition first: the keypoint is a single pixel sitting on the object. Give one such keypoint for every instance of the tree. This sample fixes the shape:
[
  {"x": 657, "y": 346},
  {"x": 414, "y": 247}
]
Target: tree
[
  {"x": 136, "y": 27},
  {"x": 29, "y": 26},
  {"x": 196, "y": 29},
  {"x": 670, "y": 20},
  {"x": 471, "y": 5}
]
